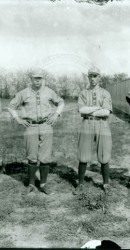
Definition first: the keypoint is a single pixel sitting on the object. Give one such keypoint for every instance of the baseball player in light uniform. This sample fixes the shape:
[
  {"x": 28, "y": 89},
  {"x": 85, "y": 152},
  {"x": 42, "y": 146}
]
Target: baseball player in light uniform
[
  {"x": 95, "y": 106},
  {"x": 37, "y": 118}
]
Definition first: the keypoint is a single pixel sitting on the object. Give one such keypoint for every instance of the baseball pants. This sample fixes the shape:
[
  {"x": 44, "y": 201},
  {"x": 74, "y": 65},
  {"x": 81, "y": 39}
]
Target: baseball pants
[
  {"x": 38, "y": 142},
  {"x": 98, "y": 131}
]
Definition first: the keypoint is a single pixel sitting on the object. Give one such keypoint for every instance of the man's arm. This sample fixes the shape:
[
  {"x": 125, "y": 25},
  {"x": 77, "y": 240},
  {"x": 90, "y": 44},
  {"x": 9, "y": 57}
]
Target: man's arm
[
  {"x": 102, "y": 113},
  {"x": 106, "y": 106},
  {"x": 12, "y": 108},
  {"x": 83, "y": 105},
  {"x": 60, "y": 107},
  {"x": 60, "y": 103},
  {"x": 89, "y": 110},
  {"x": 19, "y": 120},
  {"x": 13, "y": 113}
]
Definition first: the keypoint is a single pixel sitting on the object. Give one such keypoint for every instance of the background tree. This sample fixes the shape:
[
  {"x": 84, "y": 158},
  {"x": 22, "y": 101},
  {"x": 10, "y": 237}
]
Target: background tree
[
  {"x": 119, "y": 77},
  {"x": 65, "y": 86}
]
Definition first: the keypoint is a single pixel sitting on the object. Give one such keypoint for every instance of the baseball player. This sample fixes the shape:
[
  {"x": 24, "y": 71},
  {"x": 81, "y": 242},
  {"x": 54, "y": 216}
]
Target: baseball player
[
  {"x": 95, "y": 106},
  {"x": 37, "y": 117}
]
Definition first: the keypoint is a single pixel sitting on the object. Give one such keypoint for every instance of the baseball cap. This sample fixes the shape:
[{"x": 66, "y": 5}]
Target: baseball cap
[
  {"x": 37, "y": 72},
  {"x": 94, "y": 71}
]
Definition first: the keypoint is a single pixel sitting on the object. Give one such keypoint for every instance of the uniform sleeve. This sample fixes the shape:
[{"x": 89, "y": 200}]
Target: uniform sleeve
[
  {"x": 58, "y": 101},
  {"x": 107, "y": 101},
  {"x": 14, "y": 104},
  {"x": 16, "y": 101},
  {"x": 81, "y": 101}
]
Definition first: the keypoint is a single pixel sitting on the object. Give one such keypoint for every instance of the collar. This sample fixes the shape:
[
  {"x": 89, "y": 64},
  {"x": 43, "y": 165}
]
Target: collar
[
  {"x": 94, "y": 89},
  {"x": 35, "y": 91}
]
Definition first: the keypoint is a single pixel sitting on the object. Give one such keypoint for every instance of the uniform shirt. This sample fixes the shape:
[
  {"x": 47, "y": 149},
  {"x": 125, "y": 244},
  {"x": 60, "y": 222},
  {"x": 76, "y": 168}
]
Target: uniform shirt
[
  {"x": 95, "y": 97},
  {"x": 35, "y": 104}
]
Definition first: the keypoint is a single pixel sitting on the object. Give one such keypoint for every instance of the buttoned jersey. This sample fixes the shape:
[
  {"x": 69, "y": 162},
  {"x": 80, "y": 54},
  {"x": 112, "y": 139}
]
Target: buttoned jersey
[
  {"x": 36, "y": 105},
  {"x": 95, "y": 97}
]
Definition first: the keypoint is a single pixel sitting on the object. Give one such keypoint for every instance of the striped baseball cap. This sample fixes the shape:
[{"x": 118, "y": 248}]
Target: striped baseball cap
[
  {"x": 36, "y": 72},
  {"x": 94, "y": 71}
]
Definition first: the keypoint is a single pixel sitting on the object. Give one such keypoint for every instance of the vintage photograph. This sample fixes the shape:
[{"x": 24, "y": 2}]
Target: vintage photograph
[{"x": 65, "y": 124}]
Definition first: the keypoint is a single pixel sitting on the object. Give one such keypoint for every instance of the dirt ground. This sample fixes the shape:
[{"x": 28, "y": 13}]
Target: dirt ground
[{"x": 62, "y": 219}]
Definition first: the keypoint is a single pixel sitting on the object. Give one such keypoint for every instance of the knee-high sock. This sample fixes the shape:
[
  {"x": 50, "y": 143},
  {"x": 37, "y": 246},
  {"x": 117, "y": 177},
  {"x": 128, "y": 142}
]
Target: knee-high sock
[
  {"x": 32, "y": 167},
  {"x": 105, "y": 172},
  {"x": 81, "y": 172},
  {"x": 44, "y": 169}
]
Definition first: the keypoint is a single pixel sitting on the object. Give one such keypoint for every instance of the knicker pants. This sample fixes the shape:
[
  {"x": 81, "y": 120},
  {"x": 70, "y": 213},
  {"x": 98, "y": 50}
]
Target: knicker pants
[
  {"x": 98, "y": 131},
  {"x": 38, "y": 143}
]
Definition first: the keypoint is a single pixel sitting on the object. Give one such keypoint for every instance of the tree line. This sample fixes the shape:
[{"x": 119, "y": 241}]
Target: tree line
[{"x": 65, "y": 86}]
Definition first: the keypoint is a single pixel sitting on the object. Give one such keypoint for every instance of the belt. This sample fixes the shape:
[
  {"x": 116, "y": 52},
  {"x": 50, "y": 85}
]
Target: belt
[
  {"x": 37, "y": 122},
  {"x": 94, "y": 118}
]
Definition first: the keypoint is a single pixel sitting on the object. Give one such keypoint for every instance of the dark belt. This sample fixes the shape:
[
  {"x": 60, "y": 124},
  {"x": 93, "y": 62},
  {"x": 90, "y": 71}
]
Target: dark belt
[
  {"x": 95, "y": 118},
  {"x": 37, "y": 122}
]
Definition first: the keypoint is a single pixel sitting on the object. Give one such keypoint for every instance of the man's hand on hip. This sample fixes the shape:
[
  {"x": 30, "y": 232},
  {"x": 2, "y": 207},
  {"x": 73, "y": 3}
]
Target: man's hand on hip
[
  {"x": 23, "y": 122},
  {"x": 52, "y": 118}
]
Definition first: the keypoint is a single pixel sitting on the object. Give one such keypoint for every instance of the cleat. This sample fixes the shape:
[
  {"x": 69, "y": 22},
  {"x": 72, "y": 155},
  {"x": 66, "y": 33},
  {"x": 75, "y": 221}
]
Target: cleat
[
  {"x": 31, "y": 188},
  {"x": 106, "y": 189},
  {"x": 79, "y": 190},
  {"x": 44, "y": 189}
]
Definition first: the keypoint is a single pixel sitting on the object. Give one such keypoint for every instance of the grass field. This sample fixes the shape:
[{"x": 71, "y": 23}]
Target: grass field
[{"x": 61, "y": 219}]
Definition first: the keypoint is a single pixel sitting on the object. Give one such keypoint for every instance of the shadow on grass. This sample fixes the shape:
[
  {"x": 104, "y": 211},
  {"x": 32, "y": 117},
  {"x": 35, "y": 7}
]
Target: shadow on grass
[
  {"x": 19, "y": 171},
  {"x": 114, "y": 173}
]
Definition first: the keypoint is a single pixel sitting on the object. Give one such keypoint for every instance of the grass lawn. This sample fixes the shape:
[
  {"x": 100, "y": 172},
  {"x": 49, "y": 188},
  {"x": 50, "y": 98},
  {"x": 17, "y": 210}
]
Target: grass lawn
[{"x": 61, "y": 219}]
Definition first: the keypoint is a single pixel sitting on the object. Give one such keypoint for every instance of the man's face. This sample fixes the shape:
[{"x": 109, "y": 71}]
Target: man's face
[
  {"x": 94, "y": 79},
  {"x": 37, "y": 82}
]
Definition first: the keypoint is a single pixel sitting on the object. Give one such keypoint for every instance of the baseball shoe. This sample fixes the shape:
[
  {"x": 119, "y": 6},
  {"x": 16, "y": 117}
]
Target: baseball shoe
[
  {"x": 105, "y": 208},
  {"x": 79, "y": 189},
  {"x": 31, "y": 188},
  {"x": 44, "y": 189},
  {"x": 106, "y": 188}
]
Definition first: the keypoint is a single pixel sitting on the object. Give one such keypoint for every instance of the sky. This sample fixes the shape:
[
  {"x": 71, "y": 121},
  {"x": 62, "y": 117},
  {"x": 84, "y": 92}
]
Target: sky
[{"x": 65, "y": 37}]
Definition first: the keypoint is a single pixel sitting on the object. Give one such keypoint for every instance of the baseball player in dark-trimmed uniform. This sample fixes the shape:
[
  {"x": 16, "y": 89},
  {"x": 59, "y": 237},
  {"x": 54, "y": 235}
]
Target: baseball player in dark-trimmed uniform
[
  {"x": 95, "y": 106},
  {"x": 37, "y": 118}
]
